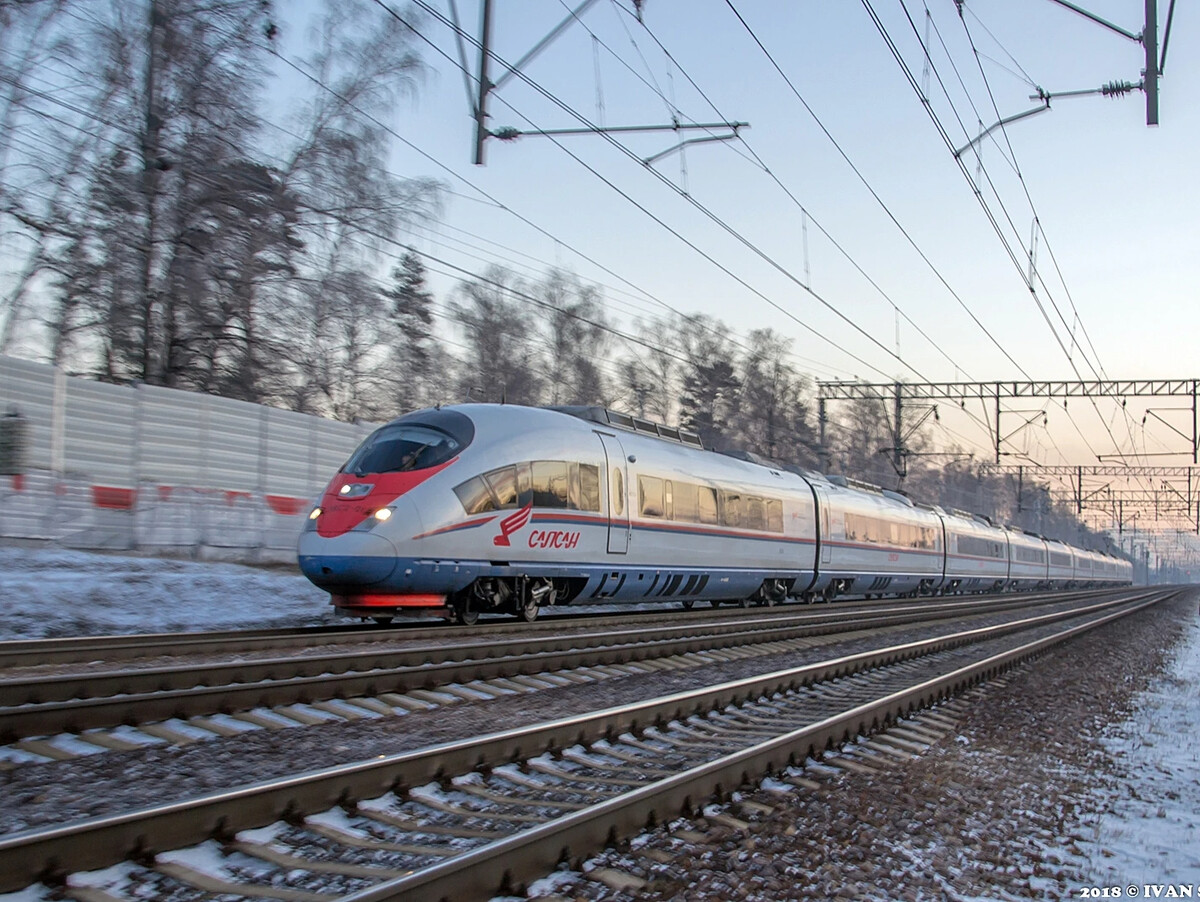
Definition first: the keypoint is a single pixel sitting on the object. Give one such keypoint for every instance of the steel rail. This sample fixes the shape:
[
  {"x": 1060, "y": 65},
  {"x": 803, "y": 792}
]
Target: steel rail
[
  {"x": 34, "y": 855},
  {"x": 44, "y": 705},
  {"x": 88, "y": 649},
  {"x": 494, "y": 868}
]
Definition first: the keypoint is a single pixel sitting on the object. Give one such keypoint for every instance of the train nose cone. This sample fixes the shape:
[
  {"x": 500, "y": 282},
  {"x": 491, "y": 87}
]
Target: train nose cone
[{"x": 352, "y": 560}]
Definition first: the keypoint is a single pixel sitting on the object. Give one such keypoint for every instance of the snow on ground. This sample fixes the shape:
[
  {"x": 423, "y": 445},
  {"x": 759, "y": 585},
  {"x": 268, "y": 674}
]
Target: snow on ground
[
  {"x": 52, "y": 592},
  {"x": 1149, "y": 832}
]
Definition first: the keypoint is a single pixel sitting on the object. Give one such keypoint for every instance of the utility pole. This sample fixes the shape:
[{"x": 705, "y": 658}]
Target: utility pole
[
  {"x": 1150, "y": 75},
  {"x": 822, "y": 420},
  {"x": 898, "y": 435},
  {"x": 485, "y": 85}
]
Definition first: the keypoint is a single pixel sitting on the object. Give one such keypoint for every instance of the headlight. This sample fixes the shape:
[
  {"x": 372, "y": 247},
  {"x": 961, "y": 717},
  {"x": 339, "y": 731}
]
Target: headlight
[
  {"x": 316, "y": 512},
  {"x": 384, "y": 513}
]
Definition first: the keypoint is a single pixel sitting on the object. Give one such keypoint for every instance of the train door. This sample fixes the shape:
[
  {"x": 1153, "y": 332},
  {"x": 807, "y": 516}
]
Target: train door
[
  {"x": 826, "y": 525},
  {"x": 618, "y": 493}
]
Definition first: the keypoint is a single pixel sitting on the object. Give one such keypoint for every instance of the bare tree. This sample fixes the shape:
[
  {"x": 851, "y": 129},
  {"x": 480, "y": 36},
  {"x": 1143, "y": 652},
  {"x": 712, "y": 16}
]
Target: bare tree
[
  {"x": 502, "y": 360},
  {"x": 772, "y": 412},
  {"x": 710, "y": 382},
  {"x": 351, "y": 207},
  {"x": 47, "y": 144},
  {"x": 649, "y": 371},
  {"x": 577, "y": 338}
]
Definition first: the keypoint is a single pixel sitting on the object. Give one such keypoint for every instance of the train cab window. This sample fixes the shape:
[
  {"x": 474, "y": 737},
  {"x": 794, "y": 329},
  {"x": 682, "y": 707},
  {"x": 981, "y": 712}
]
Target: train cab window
[
  {"x": 475, "y": 496},
  {"x": 706, "y": 504},
  {"x": 551, "y": 483},
  {"x": 618, "y": 492},
  {"x": 650, "y": 496},
  {"x": 402, "y": 446}
]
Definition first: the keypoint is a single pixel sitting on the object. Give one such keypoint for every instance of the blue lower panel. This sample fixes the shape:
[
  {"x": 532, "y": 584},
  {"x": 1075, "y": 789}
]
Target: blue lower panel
[{"x": 349, "y": 574}]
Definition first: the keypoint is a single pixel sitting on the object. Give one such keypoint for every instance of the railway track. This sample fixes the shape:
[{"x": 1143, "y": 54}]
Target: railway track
[
  {"x": 20, "y": 653},
  {"x": 467, "y": 818},
  {"x": 351, "y": 680}
]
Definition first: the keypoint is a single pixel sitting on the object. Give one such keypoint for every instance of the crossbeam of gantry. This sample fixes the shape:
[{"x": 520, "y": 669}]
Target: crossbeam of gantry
[{"x": 902, "y": 393}]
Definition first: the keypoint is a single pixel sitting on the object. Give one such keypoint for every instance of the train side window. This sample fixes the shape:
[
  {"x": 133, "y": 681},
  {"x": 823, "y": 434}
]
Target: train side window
[
  {"x": 589, "y": 487},
  {"x": 774, "y": 515},
  {"x": 686, "y": 509},
  {"x": 668, "y": 500},
  {"x": 524, "y": 488},
  {"x": 550, "y": 484},
  {"x": 706, "y": 504},
  {"x": 504, "y": 486},
  {"x": 650, "y": 496},
  {"x": 755, "y": 513},
  {"x": 475, "y": 496},
  {"x": 618, "y": 492},
  {"x": 573, "y": 486}
]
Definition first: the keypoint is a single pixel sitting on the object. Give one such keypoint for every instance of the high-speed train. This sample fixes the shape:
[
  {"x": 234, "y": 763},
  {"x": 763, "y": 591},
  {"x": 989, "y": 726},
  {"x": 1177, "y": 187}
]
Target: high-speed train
[{"x": 500, "y": 508}]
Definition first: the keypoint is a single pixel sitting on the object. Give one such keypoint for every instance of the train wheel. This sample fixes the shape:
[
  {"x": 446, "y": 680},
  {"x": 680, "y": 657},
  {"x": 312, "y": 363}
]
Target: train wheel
[
  {"x": 688, "y": 603},
  {"x": 528, "y": 609},
  {"x": 383, "y": 621},
  {"x": 463, "y": 605}
]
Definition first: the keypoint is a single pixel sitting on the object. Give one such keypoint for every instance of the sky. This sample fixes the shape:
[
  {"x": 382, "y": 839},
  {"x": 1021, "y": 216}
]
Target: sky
[{"x": 843, "y": 184}]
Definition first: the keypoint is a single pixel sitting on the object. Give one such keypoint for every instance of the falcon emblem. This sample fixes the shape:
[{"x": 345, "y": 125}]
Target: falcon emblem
[{"x": 512, "y": 523}]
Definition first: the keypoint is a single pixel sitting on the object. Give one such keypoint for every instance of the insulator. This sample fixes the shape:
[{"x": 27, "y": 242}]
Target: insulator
[{"x": 1116, "y": 88}]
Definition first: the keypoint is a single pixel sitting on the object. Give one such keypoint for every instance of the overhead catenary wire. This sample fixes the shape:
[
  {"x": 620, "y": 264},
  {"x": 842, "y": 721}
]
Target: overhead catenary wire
[
  {"x": 1096, "y": 369},
  {"x": 709, "y": 214},
  {"x": 1032, "y": 288}
]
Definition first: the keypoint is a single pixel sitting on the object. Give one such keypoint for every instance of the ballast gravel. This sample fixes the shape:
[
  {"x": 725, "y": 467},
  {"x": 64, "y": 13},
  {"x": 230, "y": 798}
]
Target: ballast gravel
[
  {"x": 1007, "y": 806},
  {"x": 1004, "y": 807},
  {"x": 40, "y": 794}
]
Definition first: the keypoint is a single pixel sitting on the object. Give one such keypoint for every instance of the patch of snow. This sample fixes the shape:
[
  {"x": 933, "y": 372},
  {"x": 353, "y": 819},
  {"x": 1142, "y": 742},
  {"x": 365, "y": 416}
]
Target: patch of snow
[
  {"x": 182, "y": 727},
  {"x": 269, "y": 715},
  {"x": 35, "y": 893},
  {"x": 430, "y": 791},
  {"x": 262, "y": 835},
  {"x": 111, "y": 879},
  {"x": 69, "y": 743},
  {"x": 233, "y": 723},
  {"x": 206, "y": 858},
  {"x": 17, "y": 756},
  {"x": 384, "y": 803},
  {"x": 770, "y": 784},
  {"x": 131, "y": 734},
  {"x": 338, "y": 820},
  {"x": 51, "y": 592},
  {"x": 471, "y": 691},
  {"x": 1149, "y": 832},
  {"x": 551, "y": 884}
]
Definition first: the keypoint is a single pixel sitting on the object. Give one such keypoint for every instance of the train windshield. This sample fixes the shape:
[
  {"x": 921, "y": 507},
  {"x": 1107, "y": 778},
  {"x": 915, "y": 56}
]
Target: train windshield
[{"x": 402, "y": 446}]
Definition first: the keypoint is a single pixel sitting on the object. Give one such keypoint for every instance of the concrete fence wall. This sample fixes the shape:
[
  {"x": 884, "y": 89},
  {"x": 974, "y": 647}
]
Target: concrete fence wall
[{"x": 160, "y": 470}]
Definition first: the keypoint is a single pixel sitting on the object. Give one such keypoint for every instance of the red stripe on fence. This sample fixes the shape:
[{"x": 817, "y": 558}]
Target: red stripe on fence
[
  {"x": 286, "y": 504},
  {"x": 112, "y": 498}
]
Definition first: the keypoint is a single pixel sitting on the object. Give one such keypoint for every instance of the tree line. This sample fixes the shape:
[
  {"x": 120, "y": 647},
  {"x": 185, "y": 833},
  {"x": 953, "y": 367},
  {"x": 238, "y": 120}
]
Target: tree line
[{"x": 169, "y": 220}]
